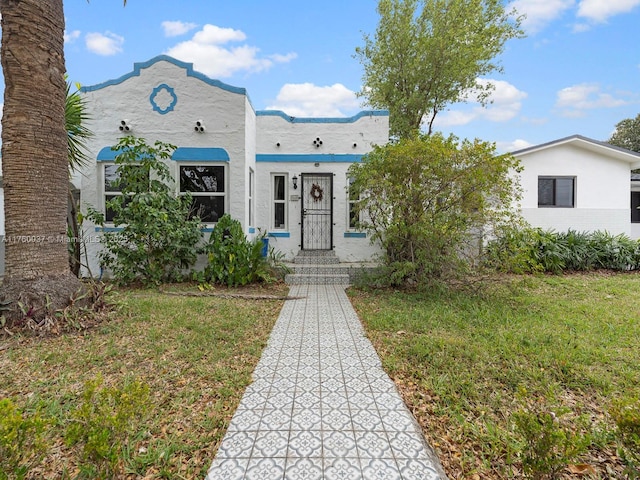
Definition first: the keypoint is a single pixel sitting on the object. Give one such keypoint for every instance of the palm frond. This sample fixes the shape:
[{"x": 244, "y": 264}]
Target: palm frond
[{"x": 75, "y": 116}]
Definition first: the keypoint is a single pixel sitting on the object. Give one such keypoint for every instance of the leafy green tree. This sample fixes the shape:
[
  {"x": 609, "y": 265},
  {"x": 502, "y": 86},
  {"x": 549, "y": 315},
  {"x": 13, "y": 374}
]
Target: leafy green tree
[
  {"x": 427, "y": 54},
  {"x": 157, "y": 237},
  {"x": 429, "y": 199},
  {"x": 627, "y": 134}
]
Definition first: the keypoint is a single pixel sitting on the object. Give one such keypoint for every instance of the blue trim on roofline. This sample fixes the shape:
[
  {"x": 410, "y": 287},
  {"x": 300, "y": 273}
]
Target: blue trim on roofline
[
  {"x": 181, "y": 154},
  {"x": 355, "y": 118},
  {"x": 310, "y": 157},
  {"x": 279, "y": 234},
  {"x": 139, "y": 66}
]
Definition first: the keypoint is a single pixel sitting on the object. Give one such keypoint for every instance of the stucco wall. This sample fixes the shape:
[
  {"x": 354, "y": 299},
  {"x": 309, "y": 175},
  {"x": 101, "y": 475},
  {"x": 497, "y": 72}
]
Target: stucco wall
[
  {"x": 350, "y": 246},
  {"x": 163, "y": 98},
  {"x": 224, "y": 110},
  {"x": 285, "y": 145},
  {"x": 614, "y": 221},
  {"x": 601, "y": 190}
]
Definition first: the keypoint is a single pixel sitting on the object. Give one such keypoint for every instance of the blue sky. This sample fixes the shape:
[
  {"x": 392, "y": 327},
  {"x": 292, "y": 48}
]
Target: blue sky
[{"x": 576, "y": 72}]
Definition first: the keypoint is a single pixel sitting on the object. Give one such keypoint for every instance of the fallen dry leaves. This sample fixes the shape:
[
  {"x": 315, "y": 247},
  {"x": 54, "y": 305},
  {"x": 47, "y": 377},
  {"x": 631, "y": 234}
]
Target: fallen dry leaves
[{"x": 195, "y": 387}]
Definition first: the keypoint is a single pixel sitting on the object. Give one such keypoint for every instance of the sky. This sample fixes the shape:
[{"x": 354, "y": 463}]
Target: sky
[{"x": 577, "y": 71}]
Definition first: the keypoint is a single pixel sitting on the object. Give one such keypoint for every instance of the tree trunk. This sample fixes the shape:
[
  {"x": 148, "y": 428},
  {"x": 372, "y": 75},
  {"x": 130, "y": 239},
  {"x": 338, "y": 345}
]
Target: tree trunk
[
  {"x": 73, "y": 232},
  {"x": 34, "y": 157}
]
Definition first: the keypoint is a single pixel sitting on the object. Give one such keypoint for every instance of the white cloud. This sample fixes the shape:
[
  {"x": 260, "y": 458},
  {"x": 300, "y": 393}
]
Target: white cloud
[
  {"x": 176, "y": 28},
  {"x": 104, "y": 44},
  {"x": 539, "y": 13},
  {"x": 212, "y": 34},
  {"x": 453, "y": 118},
  {"x": 601, "y": 10},
  {"x": 207, "y": 51},
  {"x": 506, "y": 103},
  {"x": 513, "y": 146},
  {"x": 279, "y": 58},
  {"x": 574, "y": 100},
  {"x": 70, "y": 37},
  {"x": 309, "y": 100}
]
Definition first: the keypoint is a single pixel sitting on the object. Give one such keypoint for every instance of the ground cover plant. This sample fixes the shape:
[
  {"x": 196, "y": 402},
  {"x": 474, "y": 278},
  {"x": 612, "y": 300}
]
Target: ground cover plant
[
  {"x": 232, "y": 258},
  {"x": 528, "y": 377},
  {"x": 528, "y": 250},
  {"x": 148, "y": 394}
]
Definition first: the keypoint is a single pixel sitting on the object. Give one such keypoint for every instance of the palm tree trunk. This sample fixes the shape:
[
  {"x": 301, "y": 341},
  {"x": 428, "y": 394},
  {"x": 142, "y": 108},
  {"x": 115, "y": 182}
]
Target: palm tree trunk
[
  {"x": 34, "y": 155},
  {"x": 73, "y": 232}
]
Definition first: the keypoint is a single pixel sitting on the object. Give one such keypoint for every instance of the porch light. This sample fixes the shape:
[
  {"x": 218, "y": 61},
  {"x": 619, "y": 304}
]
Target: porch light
[{"x": 295, "y": 182}]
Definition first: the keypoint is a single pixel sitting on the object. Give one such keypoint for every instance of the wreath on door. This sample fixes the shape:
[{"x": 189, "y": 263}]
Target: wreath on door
[{"x": 316, "y": 192}]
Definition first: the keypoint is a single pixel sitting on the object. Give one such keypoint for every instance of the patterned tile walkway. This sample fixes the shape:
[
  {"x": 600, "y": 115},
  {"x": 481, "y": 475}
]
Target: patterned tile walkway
[{"x": 320, "y": 405}]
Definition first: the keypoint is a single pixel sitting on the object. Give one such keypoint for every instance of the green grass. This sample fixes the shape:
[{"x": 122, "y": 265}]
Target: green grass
[
  {"x": 195, "y": 353},
  {"x": 466, "y": 361}
]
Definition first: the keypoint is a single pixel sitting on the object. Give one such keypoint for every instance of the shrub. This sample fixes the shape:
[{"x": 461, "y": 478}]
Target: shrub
[
  {"x": 527, "y": 250},
  {"x": 428, "y": 200},
  {"x": 156, "y": 238},
  {"x": 617, "y": 252},
  {"x": 626, "y": 415},
  {"x": 103, "y": 423},
  {"x": 549, "y": 442},
  {"x": 21, "y": 441},
  {"x": 232, "y": 259}
]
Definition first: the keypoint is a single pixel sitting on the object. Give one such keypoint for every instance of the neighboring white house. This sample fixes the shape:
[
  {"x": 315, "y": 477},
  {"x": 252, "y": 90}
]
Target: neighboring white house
[
  {"x": 274, "y": 173},
  {"x": 635, "y": 205},
  {"x": 580, "y": 184}
]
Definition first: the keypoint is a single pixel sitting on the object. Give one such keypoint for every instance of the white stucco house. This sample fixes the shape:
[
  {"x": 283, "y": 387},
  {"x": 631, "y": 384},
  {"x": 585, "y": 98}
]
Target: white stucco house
[
  {"x": 581, "y": 184},
  {"x": 274, "y": 173}
]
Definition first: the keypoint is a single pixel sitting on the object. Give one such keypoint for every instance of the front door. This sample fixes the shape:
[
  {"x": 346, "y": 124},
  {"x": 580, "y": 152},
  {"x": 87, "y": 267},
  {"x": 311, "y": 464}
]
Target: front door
[{"x": 317, "y": 211}]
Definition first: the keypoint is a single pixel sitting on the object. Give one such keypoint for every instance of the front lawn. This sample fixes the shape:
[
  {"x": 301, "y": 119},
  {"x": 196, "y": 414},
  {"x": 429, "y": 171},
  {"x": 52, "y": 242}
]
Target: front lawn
[
  {"x": 196, "y": 355},
  {"x": 470, "y": 363}
]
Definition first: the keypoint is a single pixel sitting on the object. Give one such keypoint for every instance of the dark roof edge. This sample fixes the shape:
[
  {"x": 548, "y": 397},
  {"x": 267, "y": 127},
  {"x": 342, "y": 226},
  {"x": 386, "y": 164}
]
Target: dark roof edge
[{"x": 576, "y": 137}]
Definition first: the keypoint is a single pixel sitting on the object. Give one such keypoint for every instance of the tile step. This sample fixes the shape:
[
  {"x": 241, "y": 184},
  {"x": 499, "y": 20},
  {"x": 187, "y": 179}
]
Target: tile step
[
  {"x": 313, "y": 259},
  {"x": 316, "y": 279},
  {"x": 320, "y": 269}
]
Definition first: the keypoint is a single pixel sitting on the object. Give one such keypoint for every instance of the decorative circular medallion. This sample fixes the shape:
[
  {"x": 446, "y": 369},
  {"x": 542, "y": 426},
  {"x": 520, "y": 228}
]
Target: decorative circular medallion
[{"x": 316, "y": 192}]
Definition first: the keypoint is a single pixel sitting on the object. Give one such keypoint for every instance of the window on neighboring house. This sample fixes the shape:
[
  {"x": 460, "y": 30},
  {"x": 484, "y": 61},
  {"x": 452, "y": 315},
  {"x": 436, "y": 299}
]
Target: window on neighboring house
[
  {"x": 556, "y": 192},
  {"x": 354, "y": 217},
  {"x": 635, "y": 204},
  {"x": 279, "y": 215},
  {"x": 251, "y": 187},
  {"x": 206, "y": 184}
]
